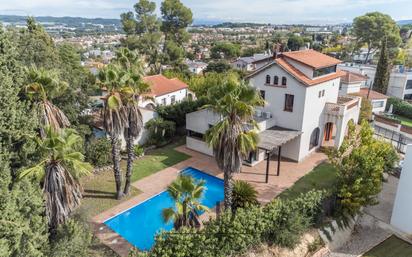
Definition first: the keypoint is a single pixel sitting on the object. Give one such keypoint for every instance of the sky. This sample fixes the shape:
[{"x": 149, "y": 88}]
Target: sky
[{"x": 267, "y": 11}]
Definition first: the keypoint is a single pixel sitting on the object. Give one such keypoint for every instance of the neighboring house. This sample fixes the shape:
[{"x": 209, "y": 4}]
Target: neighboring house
[
  {"x": 400, "y": 81},
  {"x": 252, "y": 63},
  {"x": 196, "y": 67},
  {"x": 351, "y": 84},
  {"x": 302, "y": 112},
  {"x": 361, "y": 56},
  {"x": 165, "y": 91}
]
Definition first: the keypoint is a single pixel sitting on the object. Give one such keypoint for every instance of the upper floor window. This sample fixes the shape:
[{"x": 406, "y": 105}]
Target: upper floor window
[
  {"x": 323, "y": 92},
  {"x": 163, "y": 101},
  {"x": 268, "y": 79},
  {"x": 320, "y": 94},
  {"x": 173, "y": 99},
  {"x": 284, "y": 81},
  {"x": 324, "y": 71},
  {"x": 289, "y": 99},
  {"x": 275, "y": 80}
]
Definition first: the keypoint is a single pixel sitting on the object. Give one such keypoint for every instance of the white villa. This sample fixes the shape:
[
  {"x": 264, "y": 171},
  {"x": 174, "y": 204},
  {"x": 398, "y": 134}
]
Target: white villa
[
  {"x": 303, "y": 109},
  {"x": 251, "y": 63},
  {"x": 165, "y": 91}
]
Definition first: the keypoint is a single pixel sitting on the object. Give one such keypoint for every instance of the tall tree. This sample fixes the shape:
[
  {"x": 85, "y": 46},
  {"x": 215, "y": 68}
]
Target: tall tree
[
  {"x": 175, "y": 19},
  {"x": 143, "y": 31},
  {"x": 295, "y": 42},
  {"x": 59, "y": 172},
  {"x": 381, "y": 80},
  {"x": 230, "y": 139},
  {"x": 111, "y": 78},
  {"x": 372, "y": 28},
  {"x": 133, "y": 90}
]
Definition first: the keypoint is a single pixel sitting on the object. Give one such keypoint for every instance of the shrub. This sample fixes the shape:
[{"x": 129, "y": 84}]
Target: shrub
[
  {"x": 138, "y": 151},
  {"x": 160, "y": 131},
  {"x": 98, "y": 152},
  {"x": 400, "y": 107},
  {"x": 72, "y": 239},
  {"x": 243, "y": 194},
  {"x": 280, "y": 222}
]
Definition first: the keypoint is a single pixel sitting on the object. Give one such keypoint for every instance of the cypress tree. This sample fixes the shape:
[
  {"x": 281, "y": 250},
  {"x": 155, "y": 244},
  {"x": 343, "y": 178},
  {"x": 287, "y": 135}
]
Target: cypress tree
[{"x": 381, "y": 81}]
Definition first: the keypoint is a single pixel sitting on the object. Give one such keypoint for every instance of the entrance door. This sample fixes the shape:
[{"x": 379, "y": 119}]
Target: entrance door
[{"x": 328, "y": 131}]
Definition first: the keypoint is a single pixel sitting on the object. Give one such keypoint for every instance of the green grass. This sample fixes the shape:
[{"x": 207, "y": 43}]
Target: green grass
[
  {"x": 403, "y": 120},
  {"x": 391, "y": 247},
  {"x": 323, "y": 176},
  {"x": 157, "y": 160},
  {"x": 99, "y": 189}
]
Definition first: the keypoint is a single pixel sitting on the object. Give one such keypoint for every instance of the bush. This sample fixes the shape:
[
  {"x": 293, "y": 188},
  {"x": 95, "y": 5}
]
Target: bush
[
  {"x": 400, "y": 107},
  {"x": 138, "y": 151},
  {"x": 160, "y": 131},
  {"x": 177, "y": 112},
  {"x": 243, "y": 194},
  {"x": 98, "y": 152},
  {"x": 72, "y": 239},
  {"x": 280, "y": 222}
]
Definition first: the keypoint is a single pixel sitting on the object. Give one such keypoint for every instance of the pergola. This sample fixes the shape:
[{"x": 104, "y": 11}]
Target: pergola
[{"x": 273, "y": 139}]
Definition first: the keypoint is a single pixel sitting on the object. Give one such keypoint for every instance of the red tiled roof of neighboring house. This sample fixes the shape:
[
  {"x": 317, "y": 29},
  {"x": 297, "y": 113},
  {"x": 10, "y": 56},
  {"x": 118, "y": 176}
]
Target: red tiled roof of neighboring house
[
  {"x": 160, "y": 85},
  {"x": 353, "y": 77},
  {"x": 373, "y": 95},
  {"x": 312, "y": 58}
]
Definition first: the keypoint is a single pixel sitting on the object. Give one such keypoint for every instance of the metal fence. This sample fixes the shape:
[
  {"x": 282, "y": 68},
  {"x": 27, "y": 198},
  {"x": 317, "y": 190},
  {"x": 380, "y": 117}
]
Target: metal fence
[{"x": 398, "y": 140}]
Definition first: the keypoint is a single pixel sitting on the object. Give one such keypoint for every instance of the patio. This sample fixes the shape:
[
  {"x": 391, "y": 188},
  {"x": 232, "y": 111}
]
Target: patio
[{"x": 158, "y": 182}]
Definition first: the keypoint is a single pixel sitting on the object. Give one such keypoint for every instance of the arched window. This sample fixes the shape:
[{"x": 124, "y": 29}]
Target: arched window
[
  {"x": 268, "y": 79},
  {"x": 284, "y": 81},
  {"x": 314, "y": 138},
  {"x": 275, "y": 80}
]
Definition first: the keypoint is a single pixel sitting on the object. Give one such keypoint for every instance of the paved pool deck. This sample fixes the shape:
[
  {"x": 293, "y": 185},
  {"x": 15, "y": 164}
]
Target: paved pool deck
[{"x": 156, "y": 183}]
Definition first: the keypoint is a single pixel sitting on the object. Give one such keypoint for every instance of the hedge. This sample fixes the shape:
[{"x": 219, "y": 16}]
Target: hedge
[
  {"x": 281, "y": 222},
  {"x": 400, "y": 107},
  {"x": 177, "y": 112}
]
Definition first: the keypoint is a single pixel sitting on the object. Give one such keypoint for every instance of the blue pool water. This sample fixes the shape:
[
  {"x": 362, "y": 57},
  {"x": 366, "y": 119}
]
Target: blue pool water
[{"x": 140, "y": 224}]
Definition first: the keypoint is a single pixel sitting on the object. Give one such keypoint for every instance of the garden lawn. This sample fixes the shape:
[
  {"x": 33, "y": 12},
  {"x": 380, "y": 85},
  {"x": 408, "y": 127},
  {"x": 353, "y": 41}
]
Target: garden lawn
[
  {"x": 324, "y": 176},
  {"x": 157, "y": 160},
  {"x": 391, "y": 247},
  {"x": 403, "y": 120}
]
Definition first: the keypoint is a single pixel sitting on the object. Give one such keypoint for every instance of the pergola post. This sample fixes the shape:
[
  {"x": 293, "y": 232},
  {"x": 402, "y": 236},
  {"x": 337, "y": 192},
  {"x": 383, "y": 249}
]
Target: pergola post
[
  {"x": 267, "y": 166},
  {"x": 279, "y": 157}
]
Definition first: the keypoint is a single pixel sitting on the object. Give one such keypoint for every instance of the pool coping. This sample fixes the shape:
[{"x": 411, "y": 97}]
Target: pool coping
[{"x": 111, "y": 238}]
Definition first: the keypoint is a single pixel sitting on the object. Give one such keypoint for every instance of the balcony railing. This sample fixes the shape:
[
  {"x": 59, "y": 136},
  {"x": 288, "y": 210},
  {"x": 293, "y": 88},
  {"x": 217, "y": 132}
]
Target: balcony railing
[{"x": 343, "y": 105}]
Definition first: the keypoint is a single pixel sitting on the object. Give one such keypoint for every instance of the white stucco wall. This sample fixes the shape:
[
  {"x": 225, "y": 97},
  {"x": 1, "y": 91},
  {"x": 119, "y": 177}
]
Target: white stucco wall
[
  {"x": 349, "y": 88},
  {"x": 199, "y": 146},
  {"x": 396, "y": 85},
  {"x": 402, "y": 210},
  {"x": 308, "y": 71},
  {"x": 379, "y": 109},
  {"x": 180, "y": 95}
]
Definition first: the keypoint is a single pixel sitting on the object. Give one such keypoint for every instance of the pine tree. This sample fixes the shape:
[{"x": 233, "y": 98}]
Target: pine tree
[{"x": 381, "y": 81}]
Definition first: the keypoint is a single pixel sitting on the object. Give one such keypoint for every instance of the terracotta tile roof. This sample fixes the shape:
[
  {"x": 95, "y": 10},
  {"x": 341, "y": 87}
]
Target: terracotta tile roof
[
  {"x": 160, "y": 85},
  {"x": 352, "y": 77},
  {"x": 302, "y": 77},
  {"x": 373, "y": 95},
  {"x": 312, "y": 58}
]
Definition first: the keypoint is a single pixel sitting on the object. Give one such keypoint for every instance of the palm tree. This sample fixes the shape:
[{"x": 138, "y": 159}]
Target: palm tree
[
  {"x": 59, "y": 172},
  {"x": 114, "y": 115},
  {"x": 132, "y": 92},
  {"x": 234, "y": 136},
  {"x": 186, "y": 193},
  {"x": 44, "y": 85}
]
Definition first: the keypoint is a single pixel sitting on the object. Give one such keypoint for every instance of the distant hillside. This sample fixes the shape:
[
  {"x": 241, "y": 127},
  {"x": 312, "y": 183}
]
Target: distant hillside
[
  {"x": 71, "y": 21},
  {"x": 404, "y": 22}
]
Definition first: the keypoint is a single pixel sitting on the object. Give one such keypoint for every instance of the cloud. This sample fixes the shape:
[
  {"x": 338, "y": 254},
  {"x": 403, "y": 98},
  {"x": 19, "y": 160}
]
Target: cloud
[{"x": 275, "y": 11}]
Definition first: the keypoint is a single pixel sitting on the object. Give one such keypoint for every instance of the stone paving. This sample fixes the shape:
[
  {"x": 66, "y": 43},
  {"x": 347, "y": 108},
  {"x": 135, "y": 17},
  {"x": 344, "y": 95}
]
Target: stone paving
[{"x": 156, "y": 183}]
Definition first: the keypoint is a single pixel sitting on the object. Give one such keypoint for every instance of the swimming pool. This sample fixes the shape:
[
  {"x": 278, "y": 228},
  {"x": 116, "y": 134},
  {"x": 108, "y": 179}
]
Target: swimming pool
[{"x": 139, "y": 224}]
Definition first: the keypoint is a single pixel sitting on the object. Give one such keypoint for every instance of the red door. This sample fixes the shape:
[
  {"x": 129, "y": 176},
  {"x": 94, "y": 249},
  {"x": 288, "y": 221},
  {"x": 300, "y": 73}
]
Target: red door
[{"x": 328, "y": 131}]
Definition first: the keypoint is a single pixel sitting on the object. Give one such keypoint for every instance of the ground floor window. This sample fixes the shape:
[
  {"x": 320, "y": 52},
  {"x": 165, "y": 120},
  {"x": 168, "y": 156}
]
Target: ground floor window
[
  {"x": 195, "y": 135},
  {"x": 252, "y": 157},
  {"x": 314, "y": 138},
  {"x": 377, "y": 104}
]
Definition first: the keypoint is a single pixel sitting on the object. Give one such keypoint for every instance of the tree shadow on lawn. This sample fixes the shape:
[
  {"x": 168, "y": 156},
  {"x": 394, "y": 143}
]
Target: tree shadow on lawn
[{"x": 88, "y": 193}]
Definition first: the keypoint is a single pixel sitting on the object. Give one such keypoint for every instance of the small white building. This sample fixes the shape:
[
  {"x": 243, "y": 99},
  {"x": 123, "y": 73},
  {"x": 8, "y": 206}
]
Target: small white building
[
  {"x": 302, "y": 112},
  {"x": 165, "y": 91},
  {"x": 351, "y": 84},
  {"x": 196, "y": 67}
]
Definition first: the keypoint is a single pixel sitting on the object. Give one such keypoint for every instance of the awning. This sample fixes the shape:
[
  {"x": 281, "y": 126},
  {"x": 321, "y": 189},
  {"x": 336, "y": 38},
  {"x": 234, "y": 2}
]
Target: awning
[{"x": 275, "y": 137}]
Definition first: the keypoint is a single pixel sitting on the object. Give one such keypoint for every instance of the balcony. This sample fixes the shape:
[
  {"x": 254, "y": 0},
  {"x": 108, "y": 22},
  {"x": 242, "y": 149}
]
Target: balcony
[{"x": 343, "y": 106}]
